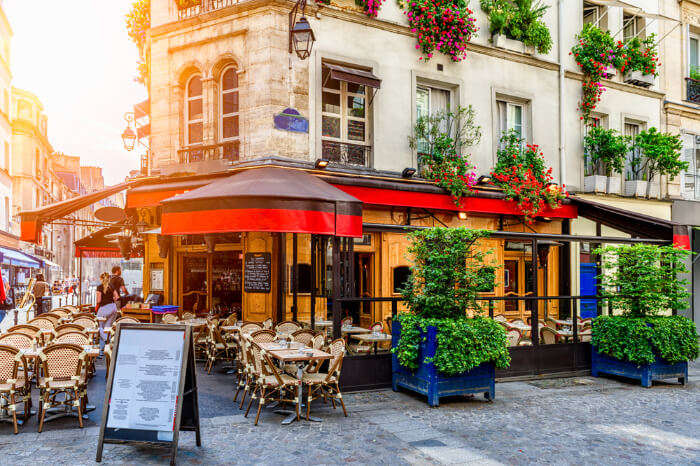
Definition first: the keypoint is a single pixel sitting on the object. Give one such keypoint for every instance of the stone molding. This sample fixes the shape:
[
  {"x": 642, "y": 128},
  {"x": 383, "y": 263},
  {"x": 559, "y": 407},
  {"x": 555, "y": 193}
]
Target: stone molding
[
  {"x": 680, "y": 109},
  {"x": 209, "y": 40},
  {"x": 620, "y": 86}
]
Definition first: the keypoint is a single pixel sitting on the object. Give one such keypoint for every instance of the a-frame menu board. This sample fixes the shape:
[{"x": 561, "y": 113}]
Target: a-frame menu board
[{"x": 151, "y": 390}]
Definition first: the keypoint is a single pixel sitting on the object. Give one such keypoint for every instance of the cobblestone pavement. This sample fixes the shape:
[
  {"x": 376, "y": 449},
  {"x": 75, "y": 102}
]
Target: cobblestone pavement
[{"x": 558, "y": 421}]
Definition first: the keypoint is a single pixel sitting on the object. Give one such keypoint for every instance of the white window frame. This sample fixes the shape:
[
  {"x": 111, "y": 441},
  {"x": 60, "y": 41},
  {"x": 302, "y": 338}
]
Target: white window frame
[
  {"x": 344, "y": 117},
  {"x": 692, "y": 36},
  {"x": 636, "y": 26},
  {"x": 693, "y": 170},
  {"x": 189, "y": 121},
  {"x": 223, "y": 116},
  {"x": 510, "y": 105}
]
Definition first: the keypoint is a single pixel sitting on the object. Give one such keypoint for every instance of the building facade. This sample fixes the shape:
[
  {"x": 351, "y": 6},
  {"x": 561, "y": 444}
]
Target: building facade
[{"x": 6, "y": 222}]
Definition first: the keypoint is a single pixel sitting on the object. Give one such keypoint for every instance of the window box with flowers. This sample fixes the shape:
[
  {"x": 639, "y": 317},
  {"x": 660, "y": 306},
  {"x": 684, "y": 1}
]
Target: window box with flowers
[
  {"x": 641, "y": 65},
  {"x": 524, "y": 178},
  {"x": 517, "y": 25}
]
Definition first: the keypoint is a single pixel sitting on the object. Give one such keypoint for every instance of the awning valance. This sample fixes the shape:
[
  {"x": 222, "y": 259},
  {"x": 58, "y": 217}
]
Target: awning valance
[
  {"x": 264, "y": 199},
  {"x": 33, "y": 220},
  {"x": 150, "y": 195},
  {"x": 353, "y": 75}
]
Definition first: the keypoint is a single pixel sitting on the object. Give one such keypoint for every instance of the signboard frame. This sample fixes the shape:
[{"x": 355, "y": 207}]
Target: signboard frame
[
  {"x": 186, "y": 398},
  {"x": 268, "y": 263}
]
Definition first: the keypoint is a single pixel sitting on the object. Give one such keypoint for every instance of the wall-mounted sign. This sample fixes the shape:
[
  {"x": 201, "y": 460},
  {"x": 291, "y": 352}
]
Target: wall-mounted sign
[
  {"x": 156, "y": 277},
  {"x": 291, "y": 120},
  {"x": 257, "y": 272}
]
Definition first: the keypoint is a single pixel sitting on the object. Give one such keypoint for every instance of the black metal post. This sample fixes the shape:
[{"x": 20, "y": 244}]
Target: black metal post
[
  {"x": 336, "y": 287},
  {"x": 599, "y": 270},
  {"x": 535, "y": 312},
  {"x": 281, "y": 272},
  {"x": 394, "y": 309},
  {"x": 314, "y": 282},
  {"x": 491, "y": 308},
  {"x": 295, "y": 276},
  {"x": 565, "y": 267}
]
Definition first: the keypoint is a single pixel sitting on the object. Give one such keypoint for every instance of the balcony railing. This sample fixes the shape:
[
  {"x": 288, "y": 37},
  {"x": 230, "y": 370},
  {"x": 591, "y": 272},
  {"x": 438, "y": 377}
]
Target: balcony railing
[
  {"x": 346, "y": 153},
  {"x": 692, "y": 90},
  {"x": 204, "y": 7},
  {"x": 227, "y": 151}
]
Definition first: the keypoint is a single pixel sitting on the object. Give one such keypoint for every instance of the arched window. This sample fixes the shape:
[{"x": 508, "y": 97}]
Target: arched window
[
  {"x": 194, "y": 110},
  {"x": 229, "y": 119}
]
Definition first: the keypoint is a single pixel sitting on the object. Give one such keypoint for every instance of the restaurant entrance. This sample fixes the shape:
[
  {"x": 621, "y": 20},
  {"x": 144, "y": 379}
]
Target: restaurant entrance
[{"x": 211, "y": 282}]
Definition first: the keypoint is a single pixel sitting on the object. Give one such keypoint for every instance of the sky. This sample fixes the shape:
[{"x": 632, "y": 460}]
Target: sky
[{"x": 77, "y": 58}]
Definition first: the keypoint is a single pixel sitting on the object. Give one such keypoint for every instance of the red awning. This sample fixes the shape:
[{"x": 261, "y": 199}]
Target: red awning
[
  {"x": 33, "y": 220},
  {"x": 98, "y": 245},
  {"x": 264, "y": 199},
  {"x": 151, "y": 195}
]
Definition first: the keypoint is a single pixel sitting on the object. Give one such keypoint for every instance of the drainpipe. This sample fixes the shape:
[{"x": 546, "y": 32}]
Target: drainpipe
[{"x": 562, "y": 56}]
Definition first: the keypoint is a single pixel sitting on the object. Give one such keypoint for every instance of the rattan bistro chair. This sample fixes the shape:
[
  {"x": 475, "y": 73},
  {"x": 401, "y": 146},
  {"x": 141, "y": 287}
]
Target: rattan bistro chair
[
  {"x": 326, "y": 385},
  {"x": 29, "y": 330},
  {"x": 127, "y": 320},
  {"x": 250, "y": 327},
  {"x": 549, "y": 336},
  {"x": 267, "y": 323},
  {"x": 270, "y": 382},
  {"x": 43, "y": 323},
  {"x": 217, "y": 347},
  {"x": 17, "y": 340},
  {"x": 263, "y": 336},
  {"x": 77, "y": 338},
  {"x": 304, "y": 336},
  {"x": 63, "y": 374},
  {"x": 513, "y": 336},
  {"x": 65, "y": 328},
  {"x": 169, "y": 319},
  {"x": 85, "y": 322},
  {"x": 14, "y": 385},
  {"x": 287, "y": 327}
]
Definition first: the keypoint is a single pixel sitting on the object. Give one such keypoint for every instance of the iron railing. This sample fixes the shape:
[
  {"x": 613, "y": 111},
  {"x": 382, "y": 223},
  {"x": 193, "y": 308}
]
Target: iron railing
[
  {"x": 692, "y": 90},
  {"x": 345, "y": 153},
  {"x": 227, "y": 151},
  {"x": 205, "y": 6}
]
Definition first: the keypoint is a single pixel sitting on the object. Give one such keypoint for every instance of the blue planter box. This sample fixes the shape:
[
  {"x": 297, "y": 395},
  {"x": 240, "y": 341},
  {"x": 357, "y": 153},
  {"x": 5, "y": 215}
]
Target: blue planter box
[
  {"x": 429, "y": 382},
  {"x": 658, "y": 370}
]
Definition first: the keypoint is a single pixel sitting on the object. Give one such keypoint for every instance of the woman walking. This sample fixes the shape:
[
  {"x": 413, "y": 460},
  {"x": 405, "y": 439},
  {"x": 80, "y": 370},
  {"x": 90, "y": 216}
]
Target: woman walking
[{"x": 106, "y": 307}]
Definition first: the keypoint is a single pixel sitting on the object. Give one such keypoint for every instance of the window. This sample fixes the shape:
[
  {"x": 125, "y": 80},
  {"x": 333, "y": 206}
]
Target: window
[
  {"x": 401, "y": 275},
  {"x": 595, "y": 15},
  {"x": 229, "y": 104},
  {"x": 303, "y": 281},
  {"x": 511, "y": 116},
  {"x": 194, "y": 111},
  {"x": 632, "y": 26},
  {"x": 693, "y": 56},
  {"x": 344, "y": 135},
  {"x": 589, "y": 166},
  {"x": 634, "y": 165},
  {"x": 430, "y": 101},
  {"x": 690, "y": 183}
]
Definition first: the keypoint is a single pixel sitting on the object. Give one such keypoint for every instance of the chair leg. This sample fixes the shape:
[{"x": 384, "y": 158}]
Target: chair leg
[
  {"x": 14, "y": 412},
  {"x": 238, "y": 390},
  {"x": 250, "y": 403},
  {"x": 245, "y": 393},
  {"x": 340, "y": 398},
  {"x": 308, "y": 402},
  {"x": 260, "y": 405},
  {"x": 43, "y": 410},
  {"x": 80, "y": 407}
]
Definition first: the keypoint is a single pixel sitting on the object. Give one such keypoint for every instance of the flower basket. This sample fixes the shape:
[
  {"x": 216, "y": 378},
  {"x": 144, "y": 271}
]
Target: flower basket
[
  {"x": 658, "y": 370},
  {"x": 502, "y": 42},
  {"x": 595, "y": 184},
  {"x": 427, "y": 381},
  {"x": 638, "y": 79}
]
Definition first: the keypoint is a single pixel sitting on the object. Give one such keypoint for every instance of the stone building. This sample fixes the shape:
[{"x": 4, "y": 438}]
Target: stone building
[{"x": 6, "y": 227}]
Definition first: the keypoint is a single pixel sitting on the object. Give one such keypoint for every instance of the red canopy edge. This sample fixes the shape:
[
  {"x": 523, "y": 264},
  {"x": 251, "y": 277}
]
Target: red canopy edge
[
  {"x": 474, "y": 205},
  {"x": 33, "y": 220}
]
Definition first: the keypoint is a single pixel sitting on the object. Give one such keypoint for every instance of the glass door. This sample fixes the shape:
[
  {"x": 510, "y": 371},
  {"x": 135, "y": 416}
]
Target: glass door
[
  {"x": 226, "y": 272},
  {"x": 193, "y": 294}
]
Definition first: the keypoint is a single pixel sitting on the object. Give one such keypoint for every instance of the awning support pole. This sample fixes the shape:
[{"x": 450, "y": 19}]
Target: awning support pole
[
  {"x": 336, "y": 287},
  {"x": 534, "y": 313},
  {"x": 314, "y": 282},
  {"x": 295, "y": 276},
  {"x": 80, "y": 284}
]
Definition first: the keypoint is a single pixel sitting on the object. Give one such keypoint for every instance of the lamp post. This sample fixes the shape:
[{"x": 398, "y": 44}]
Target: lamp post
[
  {"x": 301, "y": 36},
  {"x": 130, "y": 137}
]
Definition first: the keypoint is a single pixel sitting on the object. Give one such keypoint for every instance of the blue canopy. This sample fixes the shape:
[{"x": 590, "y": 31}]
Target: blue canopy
[{"x": 14, "y": 257}]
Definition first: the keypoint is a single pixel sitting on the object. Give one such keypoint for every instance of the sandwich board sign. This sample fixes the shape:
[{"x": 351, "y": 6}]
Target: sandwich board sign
[{"x": 151, "y": 392}]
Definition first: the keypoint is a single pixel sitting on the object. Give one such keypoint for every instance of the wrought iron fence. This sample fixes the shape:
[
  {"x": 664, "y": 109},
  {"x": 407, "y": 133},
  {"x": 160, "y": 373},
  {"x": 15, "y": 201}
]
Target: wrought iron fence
[
  {"x": 228, "y": 151},
  {"x": 346, "y": 153},
  {"x": 692, "y": 90},
  {"x": 204, "y": 7}
]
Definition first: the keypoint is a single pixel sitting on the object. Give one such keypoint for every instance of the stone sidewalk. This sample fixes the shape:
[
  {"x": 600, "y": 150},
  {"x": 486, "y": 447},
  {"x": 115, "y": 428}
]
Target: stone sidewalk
[{"x": 558, "y": 421}]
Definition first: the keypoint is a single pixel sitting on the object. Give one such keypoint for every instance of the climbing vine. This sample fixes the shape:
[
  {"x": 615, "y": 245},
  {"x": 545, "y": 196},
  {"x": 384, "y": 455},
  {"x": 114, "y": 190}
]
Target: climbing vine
[{"x": 138, "y": 22}]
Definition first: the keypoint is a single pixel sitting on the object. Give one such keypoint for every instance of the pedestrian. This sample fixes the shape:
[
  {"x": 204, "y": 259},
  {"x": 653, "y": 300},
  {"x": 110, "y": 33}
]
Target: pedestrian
[
  {"x": 41, "y": 288},
  {"x": 106, "y": 306},
  {"x": 117, "y": 284},
  {"x": 5, "y": 304}
]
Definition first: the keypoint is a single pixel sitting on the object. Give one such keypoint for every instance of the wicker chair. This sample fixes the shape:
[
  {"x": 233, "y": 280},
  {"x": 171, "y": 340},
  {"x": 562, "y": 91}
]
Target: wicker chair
[
  {"x": 513, "y": 336},
  {"x": 326, "y": 385},
  {"x": 77, "y": 338},
  {"x": 250, "y": 327},
  {"x": 27, "y": 329},
  {"x": 500, "y": 318},
  {"x": 263, "y": 336},
  {"x": 549, "y": 322},
  {"x": 43, "y": 323},
  {"x": 169, "y": 319},
  {"x": 56, "y": 318},
  {"x": 85, "y": 322},
  {"x": 244, "y": 371},
  {"x": 318, "y": 341},
  {"x": 17, "y": 340},
  {"x": 89, "y": 315},
  {"x": 304, "y": 336},
  {"x": 127, "y": 320},
  {"x": 217, "y": 348},
  {"x": 63, "y": 374},
  {"x": 287, "y": 327},
  {"x": 63, "y": 328},
  {"x": 366, "y": 348},
  {"x": 72, "y": 309},
  {"x": 15, "y": 388},
  {"x": 267, "y": 323},
  {"x": 549, "y": 336},
  {"x": 187, "y": 316},
  {"x": 270, "y": 382},
  {"x": 62, "y": 311},
  {"x": 346, "y": 321}
]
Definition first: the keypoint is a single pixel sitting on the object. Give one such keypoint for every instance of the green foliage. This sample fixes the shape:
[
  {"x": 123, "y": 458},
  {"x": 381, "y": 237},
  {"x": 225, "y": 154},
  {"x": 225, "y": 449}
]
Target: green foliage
[
  {"x": 183, "y": 4},
  {"x": 462, "y": 343},
  {"x": 138, "y": 22},
  {"x": 606, "y": 149},
  {"x": 446, "y": 272},
  {"x": 641, "y": 55},
  {"x": 645, "y": 278},
  {"x": 695, "y": 73},
  {"x": 440, "y": 139},
  {"x": 488, "y": 275},
  {"x": 660, "y": 153},
  {"x": 520, "y": 20},
  {"x": 639, "y": 340}
]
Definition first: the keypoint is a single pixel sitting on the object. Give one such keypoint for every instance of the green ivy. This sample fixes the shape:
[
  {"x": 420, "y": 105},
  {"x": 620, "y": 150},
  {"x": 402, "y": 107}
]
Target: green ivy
[
  {"x": 462, "y": 344},
  {"x": 640, "y": 339}
]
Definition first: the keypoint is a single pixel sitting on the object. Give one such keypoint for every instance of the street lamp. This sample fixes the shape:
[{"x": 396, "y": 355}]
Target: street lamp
[
  {"x": 129, "y": 138},
  {"x": 301, "y": 36}
]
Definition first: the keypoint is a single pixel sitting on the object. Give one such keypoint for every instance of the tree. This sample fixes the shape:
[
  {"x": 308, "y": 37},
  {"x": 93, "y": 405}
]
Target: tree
[{"x": 661, "y": 154}]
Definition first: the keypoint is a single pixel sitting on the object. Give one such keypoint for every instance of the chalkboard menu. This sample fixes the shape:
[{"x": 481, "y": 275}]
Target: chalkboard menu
[{"x": 257, "y": 273}]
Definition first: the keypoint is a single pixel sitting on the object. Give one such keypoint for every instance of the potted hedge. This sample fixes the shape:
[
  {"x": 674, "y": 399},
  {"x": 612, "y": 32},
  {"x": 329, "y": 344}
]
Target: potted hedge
[
  {"x": 642, "y": 340},
  {"x": 641, "y": 61},
  {"x": 605, "y": 149},
  {"x": 443, "y": 346},
  {"x": 654, "y": 154},
  {"x": 517, "y": 25}
]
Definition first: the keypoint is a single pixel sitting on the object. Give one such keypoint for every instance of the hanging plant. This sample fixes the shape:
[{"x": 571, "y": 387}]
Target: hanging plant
[
  {"x": 641, "y": 55},
  {"x": 523, "y": 176},
  {"x": 370, "y": 7},
  {"x": 440, "y": 140},
  {"x": 184, "y": 4},
  {"x": 443, "y": 25},
  {"x": 138, "y": 22},
  {"x": 520, "y": 20}
]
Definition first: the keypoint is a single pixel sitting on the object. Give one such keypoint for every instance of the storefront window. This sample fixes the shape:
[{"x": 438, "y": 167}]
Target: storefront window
[
  {"x": 194, "y": 283},
  {"x": 226, "y": 274}
]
